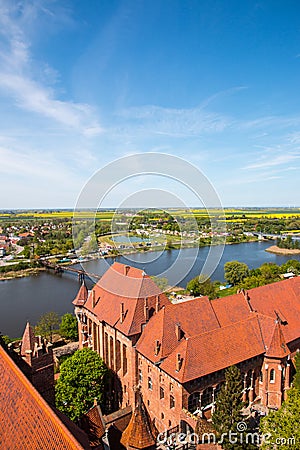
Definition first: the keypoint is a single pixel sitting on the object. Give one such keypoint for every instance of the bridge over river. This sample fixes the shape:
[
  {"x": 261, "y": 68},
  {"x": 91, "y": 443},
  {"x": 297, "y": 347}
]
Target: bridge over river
[{"x": 58, "y": 268}]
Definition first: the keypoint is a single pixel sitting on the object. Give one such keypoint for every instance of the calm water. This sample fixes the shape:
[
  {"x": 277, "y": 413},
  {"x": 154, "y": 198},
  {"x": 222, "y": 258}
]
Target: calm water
[{"x": 28, "y": 298}]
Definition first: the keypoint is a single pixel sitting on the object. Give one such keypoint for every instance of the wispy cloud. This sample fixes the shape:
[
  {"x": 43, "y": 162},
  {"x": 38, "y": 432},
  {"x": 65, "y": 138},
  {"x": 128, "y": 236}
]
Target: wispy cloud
[
  {"x": 174, "y": 122},
  {"x": 272, "y": 160},
  {"x": 17, "y": 79}
]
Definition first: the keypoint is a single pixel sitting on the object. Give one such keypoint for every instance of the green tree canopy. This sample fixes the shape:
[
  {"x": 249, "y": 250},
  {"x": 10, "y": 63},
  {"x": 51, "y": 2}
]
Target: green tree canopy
[
  {"x": 69, "y": 328},
  {"x": 81, "y": 381},
  {"x": 47, "y": 324},
  {"x": 227, "y": 414},
  {"x": 202, "y": 285},
  {"x": 296, "y": 380},
  {"x": 235, "y": 272}
]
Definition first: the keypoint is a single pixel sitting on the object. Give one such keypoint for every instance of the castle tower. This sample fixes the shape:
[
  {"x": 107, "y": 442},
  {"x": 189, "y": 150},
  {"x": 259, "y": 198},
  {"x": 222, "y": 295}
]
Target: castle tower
[
  {"x": 39, "y": 364},
  {"x": 140, "y": 433},
  {"x": 274, "y": 368}
]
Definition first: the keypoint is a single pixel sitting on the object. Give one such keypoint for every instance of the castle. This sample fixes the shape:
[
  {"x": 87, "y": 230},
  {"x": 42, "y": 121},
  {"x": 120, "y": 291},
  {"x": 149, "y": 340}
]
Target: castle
[{"x": 177, "y": 353}]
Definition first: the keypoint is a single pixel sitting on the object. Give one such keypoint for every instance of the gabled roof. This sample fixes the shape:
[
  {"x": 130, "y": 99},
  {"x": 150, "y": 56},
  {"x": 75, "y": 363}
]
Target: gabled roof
[
  {"x": 140, "y": 432},
  {"x": 127, "y": 286},
  {"x": 26, "y": 420},
  {"x": 28, "y": 340},
  {"x": 194, "y": 317},
  {"x": 215, "y": 350}
]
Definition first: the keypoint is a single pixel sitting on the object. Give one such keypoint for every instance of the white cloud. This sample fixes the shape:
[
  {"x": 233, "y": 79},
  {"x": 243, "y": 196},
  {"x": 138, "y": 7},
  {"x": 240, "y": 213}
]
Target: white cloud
[
  {"x": 270, "y": 160},
  {"x": 17, "y": 80}
]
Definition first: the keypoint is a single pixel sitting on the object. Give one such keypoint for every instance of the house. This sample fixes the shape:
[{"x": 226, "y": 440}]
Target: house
[{"x": 177, "y": 353}]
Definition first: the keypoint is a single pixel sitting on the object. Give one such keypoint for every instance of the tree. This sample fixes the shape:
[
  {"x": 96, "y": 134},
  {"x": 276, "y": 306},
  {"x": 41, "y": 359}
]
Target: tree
[
  {"x": 283, "y": 425},
  {"x": 47, "y": 324},
  {"x": 202, "y": 285},
  {"x": 227, "y": 415},
  {"x": 235, "y": 272},
  {"x": 69, "y": 327},
  {"x": 161, "y": 282},
  {"x": 296, "y": 380},
  {"x": 82, "y": 379}
]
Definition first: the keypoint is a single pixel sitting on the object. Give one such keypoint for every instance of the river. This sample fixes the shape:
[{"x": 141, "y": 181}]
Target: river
[{"x": 28, "y": 298}]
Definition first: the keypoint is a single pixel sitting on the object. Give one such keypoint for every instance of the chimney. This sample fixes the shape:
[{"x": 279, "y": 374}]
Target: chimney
[
  {"x": 126, "y": 270},
  {"x": 178, "y": 331},
  {"x": 146, "y": 311},
  {"x": 178, "y": 362},
  {"x": 157, "y": 304},
  {"x": 93, "y": 299},
  {"x": 248, "y": 300},
  {"x": 122, "y": 313},
  {"x": 157, "y": 347}
]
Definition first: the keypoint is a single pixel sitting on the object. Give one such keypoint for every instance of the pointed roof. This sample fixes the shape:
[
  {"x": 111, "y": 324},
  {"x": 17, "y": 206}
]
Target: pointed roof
[
  {"x": 277, "y": 347},
  {"x": 28, "y": 340},
  {"x": 140, "y": 432},
  {"x": 82, "y": 295}
]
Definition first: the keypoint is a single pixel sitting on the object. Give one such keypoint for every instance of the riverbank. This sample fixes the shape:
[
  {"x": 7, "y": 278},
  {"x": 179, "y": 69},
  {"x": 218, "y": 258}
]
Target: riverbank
[
  {"x": 21, "y": 273},
  {"x": 282, "y": 251}
]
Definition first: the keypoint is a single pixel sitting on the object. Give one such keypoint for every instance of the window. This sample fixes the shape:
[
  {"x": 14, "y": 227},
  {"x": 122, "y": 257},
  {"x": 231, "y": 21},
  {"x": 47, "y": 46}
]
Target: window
[
  {"x": 118, "y": 356},
  {"x": 150, "y": 385},
  {"x": 162, "y": 415},
  {"x": 172, "y": 401},
  {"x": 193, "y": 402},
  {"x": 149, "y": 369},
  {"x": 124, "y": 359},
  {"x": 207, "y": 397},
  {"x": 161, "y": 393},
  {"x": 261, "y": 377},
  {"x": 272, "y": 376},
  {"x": 171, "y": 387},
  {"x": 170, "y": 423},
  {"x": 140, "y": 376}
]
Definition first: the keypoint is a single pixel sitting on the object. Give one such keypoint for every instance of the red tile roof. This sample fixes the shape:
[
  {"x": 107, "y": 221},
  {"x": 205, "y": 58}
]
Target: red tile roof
[
  {"x": 277, "y": 347},
  {"x": 215, "y": 350},
  {"x": 82, "y": 295},
  {"x": 128, "y": 286},
  {"x": 26, "y": 420},
  {"x": 194, "y": 317},
  {"x": 224, "y": 331},
  {"x": 140, "y": 432}
]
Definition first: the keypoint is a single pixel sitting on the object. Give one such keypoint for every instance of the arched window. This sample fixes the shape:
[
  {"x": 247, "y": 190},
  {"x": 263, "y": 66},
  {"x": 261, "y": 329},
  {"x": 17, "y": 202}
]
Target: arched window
[
  {"x": 207, "y": 397},
  {"x": 193, "y": 402},
  {"x": 272, "y": 376}
]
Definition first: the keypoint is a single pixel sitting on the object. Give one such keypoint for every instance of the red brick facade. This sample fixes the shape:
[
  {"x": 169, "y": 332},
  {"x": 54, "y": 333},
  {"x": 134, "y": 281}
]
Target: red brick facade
[{"x": 177, "y": 354}]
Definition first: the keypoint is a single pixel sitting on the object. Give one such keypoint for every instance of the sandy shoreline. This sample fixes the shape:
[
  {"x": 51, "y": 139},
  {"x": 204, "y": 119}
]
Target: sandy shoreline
[{"x": 282, "y": 251}]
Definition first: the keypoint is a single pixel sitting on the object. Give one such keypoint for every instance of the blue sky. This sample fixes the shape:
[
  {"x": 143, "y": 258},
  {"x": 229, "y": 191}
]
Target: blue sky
[{"x": 85, "y": 82}]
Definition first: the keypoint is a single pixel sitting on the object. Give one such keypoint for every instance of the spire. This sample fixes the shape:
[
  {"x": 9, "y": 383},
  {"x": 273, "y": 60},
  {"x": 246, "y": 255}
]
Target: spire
[
  {"x": 140, "y": 433},
  {"x": 82, "y": 295},
  {"x": 28, "y": 340},
  {"x": 277, "y": 347}
]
